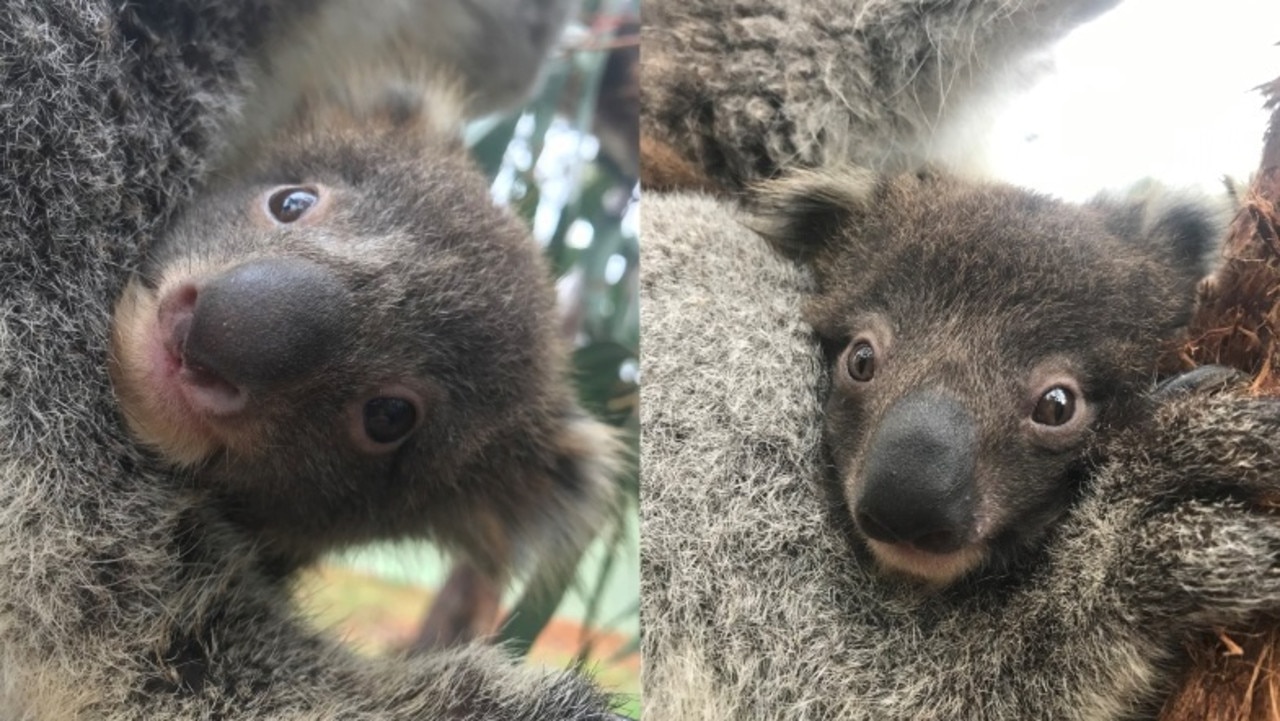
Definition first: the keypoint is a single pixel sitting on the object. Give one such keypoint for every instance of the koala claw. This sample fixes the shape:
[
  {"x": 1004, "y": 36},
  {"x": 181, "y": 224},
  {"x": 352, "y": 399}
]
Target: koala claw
[{"x": 1207, "y": 378}]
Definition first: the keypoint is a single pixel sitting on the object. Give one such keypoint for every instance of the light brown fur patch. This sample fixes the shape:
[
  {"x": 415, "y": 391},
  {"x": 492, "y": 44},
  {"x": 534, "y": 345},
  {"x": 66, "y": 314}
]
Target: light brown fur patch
[{"x": 663, "y": 169}]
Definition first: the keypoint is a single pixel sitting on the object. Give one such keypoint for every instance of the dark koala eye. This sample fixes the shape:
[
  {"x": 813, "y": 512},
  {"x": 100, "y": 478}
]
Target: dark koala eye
[
  {"x": 1055, "y": 407},
  {"x": 289, "y": 204},
  {"x": 388, "y": 419},
  {"x": 860, "y": 361}
]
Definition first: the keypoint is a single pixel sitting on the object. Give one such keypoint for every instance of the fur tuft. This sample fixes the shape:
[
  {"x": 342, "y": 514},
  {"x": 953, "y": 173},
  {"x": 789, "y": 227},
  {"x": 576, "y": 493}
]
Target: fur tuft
[{"x": 799, "y": 214}]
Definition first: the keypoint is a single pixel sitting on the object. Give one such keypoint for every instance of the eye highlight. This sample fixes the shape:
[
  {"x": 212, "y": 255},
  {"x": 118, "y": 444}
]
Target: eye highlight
[
  {"x": 289, "y": 204},
  {"x": 1056, "y": 407},
  {"x": 860, "y": 361}
]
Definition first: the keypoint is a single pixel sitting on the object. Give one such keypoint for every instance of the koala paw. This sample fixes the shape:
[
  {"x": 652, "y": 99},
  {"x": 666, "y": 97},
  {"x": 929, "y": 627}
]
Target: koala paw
[
  {"x": 1199, "y": 486},
  {"x": 1205, "y": 437},
  {"x": 1216, "y": 563}
]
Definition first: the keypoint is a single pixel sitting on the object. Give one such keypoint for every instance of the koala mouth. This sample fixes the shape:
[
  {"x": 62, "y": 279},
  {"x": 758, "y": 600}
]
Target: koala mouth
[
  {"x": 934, "y": 568},
  {"x": 935, "y": 543},
  {"x": 168, "y": 402},
  {"x": 205, "y": 391}
]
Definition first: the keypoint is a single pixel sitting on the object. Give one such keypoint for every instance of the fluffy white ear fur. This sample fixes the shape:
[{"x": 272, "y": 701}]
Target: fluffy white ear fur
[{"x": 796, "y": 213}]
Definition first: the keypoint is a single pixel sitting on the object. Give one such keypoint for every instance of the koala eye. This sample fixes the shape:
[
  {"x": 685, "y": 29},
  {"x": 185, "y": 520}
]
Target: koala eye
[
  {"x": 860, "y": 361},
  {"x": 388, "y": 419},
  {"x": 288, "y": 204},
  {"x": 1055, "y": 407}
]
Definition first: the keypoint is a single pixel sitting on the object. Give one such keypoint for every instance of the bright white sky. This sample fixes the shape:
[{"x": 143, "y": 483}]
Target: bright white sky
[{"x": 1154, "y": 88}]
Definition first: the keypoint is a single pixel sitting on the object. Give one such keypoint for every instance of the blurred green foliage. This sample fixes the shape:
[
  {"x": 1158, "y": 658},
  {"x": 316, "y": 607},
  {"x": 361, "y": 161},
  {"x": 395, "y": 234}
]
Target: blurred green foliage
[{"x": 581, "y": 204}]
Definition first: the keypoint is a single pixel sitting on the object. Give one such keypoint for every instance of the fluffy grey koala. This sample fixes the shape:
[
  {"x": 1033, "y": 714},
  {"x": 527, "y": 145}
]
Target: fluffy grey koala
[
  {"x": 984, "y": 344},
  {"x": 757, "y": 602},
  {"x": 131, "y": 593},
  {"x": 1083, "y": 553},
  {"x": 345, "y": 340}
]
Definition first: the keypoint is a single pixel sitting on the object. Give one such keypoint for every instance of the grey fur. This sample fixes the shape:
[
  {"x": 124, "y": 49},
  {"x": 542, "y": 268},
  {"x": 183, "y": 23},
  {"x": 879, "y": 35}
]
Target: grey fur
[
  {"x": 500, "y": 45},
  {"x": 493, "y": 49},
  {"x": 126, "y": 595},
  {"x": 755, "y": 603},
  {"x": 745, "y": 89}
]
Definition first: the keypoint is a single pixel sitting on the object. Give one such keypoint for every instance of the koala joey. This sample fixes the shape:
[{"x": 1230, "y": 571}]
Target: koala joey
[
  {"x": 983, "y": 342},
  {"x": 756, "y": 604},
  {"x": 131, "y": 592},
  {"x": 344, "y": 340}
]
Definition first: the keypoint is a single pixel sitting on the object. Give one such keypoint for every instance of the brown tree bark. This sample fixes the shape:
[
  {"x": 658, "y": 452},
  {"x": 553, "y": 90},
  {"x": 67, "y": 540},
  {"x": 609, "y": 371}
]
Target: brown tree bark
[{"x": 1235, "y": 674}]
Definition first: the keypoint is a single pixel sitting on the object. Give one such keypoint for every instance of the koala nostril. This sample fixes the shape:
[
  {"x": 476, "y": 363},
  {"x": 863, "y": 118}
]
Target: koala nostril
[
  {"x": 176, "y": 309},
  {"x": 208, "y": 390},
  {"x": 916, "y": 532},
  {"x": 875, "y": 529}
]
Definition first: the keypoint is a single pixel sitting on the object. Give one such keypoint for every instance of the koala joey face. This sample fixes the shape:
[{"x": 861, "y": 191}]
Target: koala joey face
[
  {"x": 979, "y": 339},
  {"x": 950, "y": 454},
  {"x": 235, "y": 311},
  {"x": 331, "y": 338}
]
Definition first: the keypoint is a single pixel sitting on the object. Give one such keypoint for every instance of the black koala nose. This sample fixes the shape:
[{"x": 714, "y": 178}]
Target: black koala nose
[
  {"x": 265, "y": 321},
  {"x": 918, "y": 480}
]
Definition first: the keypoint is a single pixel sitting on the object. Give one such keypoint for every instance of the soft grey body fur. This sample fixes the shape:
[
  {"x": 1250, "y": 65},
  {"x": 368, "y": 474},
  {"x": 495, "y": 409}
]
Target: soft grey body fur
[
  {"x": 745, "y": 89},
  {"x": 755, "y": 602},
  {"x": 495, "y": 49},
  {"x": 124, "y": 595}
]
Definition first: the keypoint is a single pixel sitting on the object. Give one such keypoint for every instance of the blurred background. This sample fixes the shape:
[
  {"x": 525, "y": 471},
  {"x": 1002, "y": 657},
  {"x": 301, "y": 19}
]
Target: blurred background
[
  {"x": 1163, "y": 89},
  {"x": 567, "y": 164}
]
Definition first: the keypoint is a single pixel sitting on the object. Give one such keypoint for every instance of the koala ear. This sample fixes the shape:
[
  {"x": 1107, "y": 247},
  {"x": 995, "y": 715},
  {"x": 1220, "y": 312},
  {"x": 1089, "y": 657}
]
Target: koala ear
[
  {"x": 589, "y": 459},
  {"x": 799, "y": 214},
  {"x": 1184, "y": 228},
  {"x": 1191, "y": 228},
  {"x": 430, "y": 103}
]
